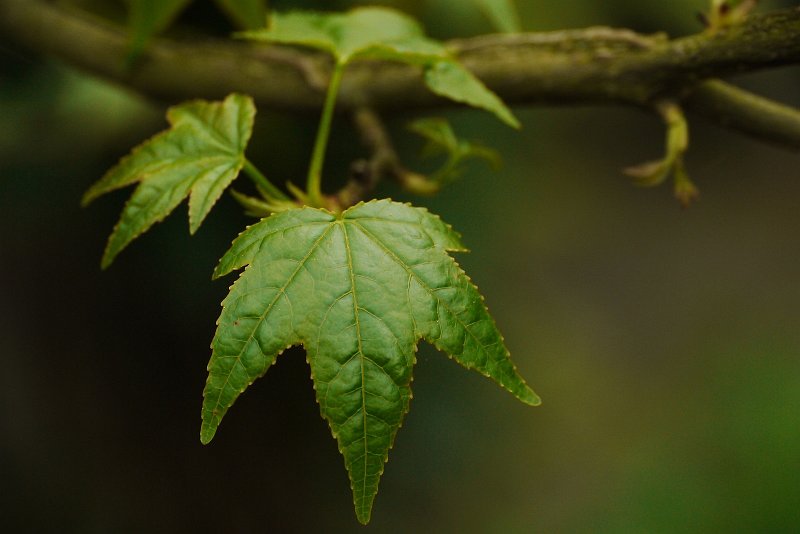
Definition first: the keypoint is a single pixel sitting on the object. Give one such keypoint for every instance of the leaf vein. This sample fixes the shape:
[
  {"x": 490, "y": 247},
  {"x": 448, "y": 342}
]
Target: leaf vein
[
  {"x": 443, "y": 303},
  {"x": 291, "y": 278},
  {"x": 360, "y": 351}
]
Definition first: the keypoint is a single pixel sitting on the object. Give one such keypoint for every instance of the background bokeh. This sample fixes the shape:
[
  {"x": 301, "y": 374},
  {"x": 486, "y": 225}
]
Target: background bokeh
[{"x": 664, "y": 343}]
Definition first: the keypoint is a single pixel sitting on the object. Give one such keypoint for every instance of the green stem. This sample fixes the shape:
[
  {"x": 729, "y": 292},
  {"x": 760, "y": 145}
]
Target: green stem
[
  {"x": 260, "y": 180},
  {"x": 314, "y": 184},
  {"x": 677, "y": 128},
  {"x": 754, "y": 115}
]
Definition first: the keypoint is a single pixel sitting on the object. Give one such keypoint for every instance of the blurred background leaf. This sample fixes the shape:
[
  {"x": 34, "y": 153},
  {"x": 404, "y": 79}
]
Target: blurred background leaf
[
  {"x": 245, "y": 14},
  {"x": 147, "y": 18},
  {"x": 442, "y": 141}
]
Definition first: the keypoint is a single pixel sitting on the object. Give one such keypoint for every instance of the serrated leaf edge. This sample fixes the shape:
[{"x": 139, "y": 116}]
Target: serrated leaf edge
[
  {"x": 534, "y": 398},
  {"x": 364, "y": 513}
]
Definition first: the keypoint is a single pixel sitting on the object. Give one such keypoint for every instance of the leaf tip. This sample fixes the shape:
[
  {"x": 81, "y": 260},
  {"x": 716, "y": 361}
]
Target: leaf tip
[
  {"x": 87, "y": 198},
  {"x": 207, "y": 433},
  {"x": 220, "y": 270},
  {"x": 194, "y": 225},
  {"x": 364, "y": 514},
  {"x": 113, "y": 247},
  {"x": 510, "y": 119},
  {"x": 531, "y": 398},
  {"x": 648, "y": 174},
  {"x": 107, "y": 260}
]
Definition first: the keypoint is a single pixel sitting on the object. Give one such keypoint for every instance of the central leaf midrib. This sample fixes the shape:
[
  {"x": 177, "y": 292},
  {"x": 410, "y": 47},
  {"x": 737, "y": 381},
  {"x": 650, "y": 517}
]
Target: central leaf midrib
[
  {"x": 360, "y": 352},
  {"x": 213, "y": 135},
  {"x": 447, "y": 244},
  {"x": 244, "y": 261},
  {"x": 144, "y": 177},
  {"x": 216, "y": 160},
  {"x": 281, "y": 291}
]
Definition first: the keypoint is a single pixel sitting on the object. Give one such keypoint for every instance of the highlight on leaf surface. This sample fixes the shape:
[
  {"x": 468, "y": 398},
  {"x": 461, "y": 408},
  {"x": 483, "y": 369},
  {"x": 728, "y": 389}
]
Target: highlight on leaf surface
[
  {"x": 358, "y": 290},
  {"x": 198, "y": 156},
  {"x": 383, "y": 33}
]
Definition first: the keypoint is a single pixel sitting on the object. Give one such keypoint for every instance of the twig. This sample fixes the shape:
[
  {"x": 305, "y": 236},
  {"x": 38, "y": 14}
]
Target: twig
[
  {"x": 592, "y": 66},
  {"x": 382, "y": 163},
  {"x": 747, "y": 113}
]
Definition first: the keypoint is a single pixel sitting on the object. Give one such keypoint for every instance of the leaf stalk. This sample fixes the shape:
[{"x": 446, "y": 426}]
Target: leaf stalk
[
  {"x": 262, "y": 182},
  {"x": 314, "y": 183}
]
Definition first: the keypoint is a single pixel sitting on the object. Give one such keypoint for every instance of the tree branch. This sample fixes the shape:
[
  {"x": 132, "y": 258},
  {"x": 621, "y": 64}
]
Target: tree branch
[
  {"x": 591, "y": 66},
  {"x": 739, "y": 110}
]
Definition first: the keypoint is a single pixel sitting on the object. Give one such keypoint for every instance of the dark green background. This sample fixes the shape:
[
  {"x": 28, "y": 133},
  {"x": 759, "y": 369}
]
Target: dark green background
[{"x": 664, "y": 343}]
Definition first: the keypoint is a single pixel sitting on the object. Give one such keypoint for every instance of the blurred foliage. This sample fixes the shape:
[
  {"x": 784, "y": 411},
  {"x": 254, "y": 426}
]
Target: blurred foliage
[
  {"x": 441, "y": 140},
  {"x": 665, "y": 344},
  {"x": 502, "y": 14},
  {"x": 147, "y": 18}
]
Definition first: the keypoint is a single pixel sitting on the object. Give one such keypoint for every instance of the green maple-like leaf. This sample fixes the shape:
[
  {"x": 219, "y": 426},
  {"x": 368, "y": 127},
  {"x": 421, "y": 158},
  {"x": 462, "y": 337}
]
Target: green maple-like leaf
[
  {"x": 360, "y": 32},
  {"x": 199, "y": 156},
  {"x": 383, "y": 33},
  {"x": 358, "y": 290}
]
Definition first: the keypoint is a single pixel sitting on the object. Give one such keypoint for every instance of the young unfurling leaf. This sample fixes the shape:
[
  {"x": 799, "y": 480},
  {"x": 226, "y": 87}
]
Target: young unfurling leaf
[
  {"x": 443, "y": 140},
  {"x": 358, "y": 290},
  {"x": 653, "y": 173},
  {"x": 198, "y": 156}
]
